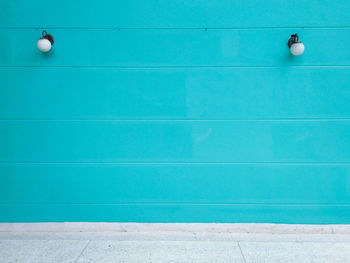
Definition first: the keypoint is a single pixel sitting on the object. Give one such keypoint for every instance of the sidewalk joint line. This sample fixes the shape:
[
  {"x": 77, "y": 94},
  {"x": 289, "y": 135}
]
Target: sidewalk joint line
[
  {"x": 241, "y": 252},
  {"x": 87, "y": 244}
]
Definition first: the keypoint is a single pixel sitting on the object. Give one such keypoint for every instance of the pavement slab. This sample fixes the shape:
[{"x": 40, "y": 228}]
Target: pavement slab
[{"x": 154, "y": 247}]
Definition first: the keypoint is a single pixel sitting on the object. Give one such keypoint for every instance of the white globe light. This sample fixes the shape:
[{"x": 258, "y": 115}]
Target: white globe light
[
  {"x": 44, "y": 45},
  {"x": 297, "y": 49}
]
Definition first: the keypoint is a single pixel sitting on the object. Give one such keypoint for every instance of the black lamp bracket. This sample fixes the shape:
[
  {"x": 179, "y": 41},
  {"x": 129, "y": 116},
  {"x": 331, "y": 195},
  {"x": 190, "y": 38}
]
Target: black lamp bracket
[
  {"x": 48, "y": 37},
  {"x": 293, "y": 39}
]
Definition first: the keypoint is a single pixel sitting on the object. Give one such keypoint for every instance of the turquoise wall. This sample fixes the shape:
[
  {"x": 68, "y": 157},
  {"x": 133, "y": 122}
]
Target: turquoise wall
[{"x": 175, "y": 111}]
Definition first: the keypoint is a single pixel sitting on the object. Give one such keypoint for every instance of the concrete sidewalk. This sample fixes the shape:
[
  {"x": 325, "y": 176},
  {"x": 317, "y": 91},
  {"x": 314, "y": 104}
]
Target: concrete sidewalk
[{"x": 52, "y": 247}]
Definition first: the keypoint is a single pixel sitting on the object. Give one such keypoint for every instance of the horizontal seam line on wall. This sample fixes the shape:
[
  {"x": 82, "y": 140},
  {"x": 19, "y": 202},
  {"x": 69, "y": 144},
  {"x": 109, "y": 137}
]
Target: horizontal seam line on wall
[
  {"x": 175, "y": 28},
  {"x": 184, "y": 163},
  {"x": 178, "y": 120},
  {"x": 176, "y": 204},
  {"x": 180, "y": 67}
]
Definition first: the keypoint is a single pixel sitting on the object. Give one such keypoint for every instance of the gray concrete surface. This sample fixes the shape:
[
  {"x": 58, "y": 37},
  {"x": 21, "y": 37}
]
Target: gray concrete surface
[
  {"x": 176, "y": 227},
  {"x": 109, "y": 246}
]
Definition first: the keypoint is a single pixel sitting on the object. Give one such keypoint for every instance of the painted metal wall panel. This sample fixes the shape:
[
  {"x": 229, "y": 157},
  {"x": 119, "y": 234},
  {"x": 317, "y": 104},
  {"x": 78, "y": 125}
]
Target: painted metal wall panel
[
  {"x": 174, "y": 14},
  {"x": 175, "y": 141},
  {"x": 175, "y": 111},
  {"x": 262, "y": 183},
  {"x": 175, "y": 94},
  {"x": 176, "y": 48}
]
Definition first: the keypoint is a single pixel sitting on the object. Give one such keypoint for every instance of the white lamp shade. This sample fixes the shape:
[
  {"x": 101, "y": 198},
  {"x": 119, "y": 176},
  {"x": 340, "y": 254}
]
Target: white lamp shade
[
  {"x": 297, "y": 49},
  {"x": 44, "y": 45}
]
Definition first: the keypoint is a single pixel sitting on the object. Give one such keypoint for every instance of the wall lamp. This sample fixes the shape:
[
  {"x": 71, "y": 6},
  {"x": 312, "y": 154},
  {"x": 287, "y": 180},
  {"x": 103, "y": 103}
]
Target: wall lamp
[
  {"x": 45, "y": 42},
  {"x": 295, "y": 46}
]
